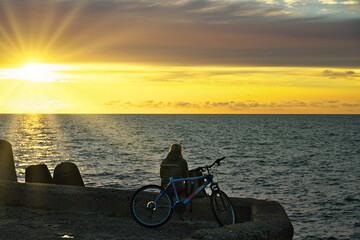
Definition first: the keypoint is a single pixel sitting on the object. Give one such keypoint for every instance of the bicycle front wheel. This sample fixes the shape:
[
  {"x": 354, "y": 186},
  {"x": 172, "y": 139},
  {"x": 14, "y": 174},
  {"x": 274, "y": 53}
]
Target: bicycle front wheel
[
  {"x": 222, "y": 208},
  {"x": 150, "y": 206}
]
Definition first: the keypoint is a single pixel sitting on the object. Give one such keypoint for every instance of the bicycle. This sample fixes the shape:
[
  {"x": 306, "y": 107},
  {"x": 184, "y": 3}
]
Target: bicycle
[{"x": 151, "y": 206}]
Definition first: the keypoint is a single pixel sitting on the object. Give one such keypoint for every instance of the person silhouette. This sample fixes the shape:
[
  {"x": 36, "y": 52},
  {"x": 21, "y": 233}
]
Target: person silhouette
[{"x": 175, "y": 166}]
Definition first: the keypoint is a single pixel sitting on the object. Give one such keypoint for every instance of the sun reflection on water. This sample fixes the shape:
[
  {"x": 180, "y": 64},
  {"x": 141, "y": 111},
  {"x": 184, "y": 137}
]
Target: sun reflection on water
[{"x": 34, "y": 142}]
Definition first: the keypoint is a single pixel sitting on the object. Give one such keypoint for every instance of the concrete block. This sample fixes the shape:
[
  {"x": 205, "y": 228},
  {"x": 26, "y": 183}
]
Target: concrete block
[
  {"x": 7, "y": 166},
  {"x": 38, "y": 174},
  {"x": 67, "y": 173}
]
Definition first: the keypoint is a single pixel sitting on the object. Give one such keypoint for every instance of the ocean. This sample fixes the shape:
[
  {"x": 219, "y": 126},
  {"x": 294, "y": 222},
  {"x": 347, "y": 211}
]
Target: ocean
[{"x": 308, "y": 163}]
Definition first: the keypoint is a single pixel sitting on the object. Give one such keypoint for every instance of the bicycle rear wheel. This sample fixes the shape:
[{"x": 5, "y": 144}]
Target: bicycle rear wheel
[
  {"x": 222, "y": 208},
  {"x": 150, "y": 206}
]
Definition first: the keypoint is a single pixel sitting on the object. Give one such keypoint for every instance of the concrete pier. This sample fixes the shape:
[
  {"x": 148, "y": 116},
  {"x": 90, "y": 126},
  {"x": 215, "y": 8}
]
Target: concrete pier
[{"x": 260, "y": 218}]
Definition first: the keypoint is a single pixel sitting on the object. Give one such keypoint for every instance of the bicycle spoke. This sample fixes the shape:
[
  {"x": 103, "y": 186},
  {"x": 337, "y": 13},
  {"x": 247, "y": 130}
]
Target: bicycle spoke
[{"x": 156, "y": 212}]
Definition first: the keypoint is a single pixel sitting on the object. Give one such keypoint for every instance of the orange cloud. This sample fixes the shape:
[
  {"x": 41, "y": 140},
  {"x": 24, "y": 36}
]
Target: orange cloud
[{"x": 233, "y": 106}]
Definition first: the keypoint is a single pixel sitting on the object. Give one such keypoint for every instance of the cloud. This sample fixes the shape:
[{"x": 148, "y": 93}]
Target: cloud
[
  {"x": 351, "y": 105},
  {"x": 231, "y": 105},
  {"x": 177, "y": 32},
  {"x": 113, "y": 103},
  {"x": 35, "y": 106},
  {"x": 271, "y": 2},
  {"x": 349, "y": 74},
  {"x": 331, "y": 2},
  {"x": 336, "y": 2},
  {"x": 291, "y": 3}
]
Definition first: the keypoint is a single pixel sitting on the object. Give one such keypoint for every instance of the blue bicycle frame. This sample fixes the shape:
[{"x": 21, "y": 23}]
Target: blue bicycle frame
[{"x": 209, "y": 180}]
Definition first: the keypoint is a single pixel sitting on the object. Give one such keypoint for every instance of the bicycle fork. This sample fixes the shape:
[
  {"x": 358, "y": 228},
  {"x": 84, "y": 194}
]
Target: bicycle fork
[{"x": 214, "y": 187}]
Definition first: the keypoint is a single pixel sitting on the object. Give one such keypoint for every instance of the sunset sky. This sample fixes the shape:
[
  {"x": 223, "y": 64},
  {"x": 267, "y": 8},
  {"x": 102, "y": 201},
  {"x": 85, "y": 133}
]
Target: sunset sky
[{"x": 180, "y": 56}]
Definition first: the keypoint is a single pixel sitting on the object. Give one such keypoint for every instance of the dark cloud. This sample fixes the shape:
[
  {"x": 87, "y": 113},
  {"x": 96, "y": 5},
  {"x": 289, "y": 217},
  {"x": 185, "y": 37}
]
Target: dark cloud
[
  {"x": 351, "y": 105},
  {"x": 349, "y": 74},
  {"x": 174, "y": 32}
]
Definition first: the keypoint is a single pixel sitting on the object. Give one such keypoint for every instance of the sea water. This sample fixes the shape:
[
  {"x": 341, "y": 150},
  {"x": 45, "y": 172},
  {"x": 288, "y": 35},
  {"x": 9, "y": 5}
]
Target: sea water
[{"x": 308, "y": 163}]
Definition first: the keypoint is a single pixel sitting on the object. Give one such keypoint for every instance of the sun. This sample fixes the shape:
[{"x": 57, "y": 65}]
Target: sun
[{"x": 36, "y": 72}]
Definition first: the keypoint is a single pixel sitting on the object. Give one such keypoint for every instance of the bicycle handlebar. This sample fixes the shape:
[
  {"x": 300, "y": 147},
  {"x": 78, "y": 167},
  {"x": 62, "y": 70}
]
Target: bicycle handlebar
[
  {"x": 219, "y": 160},
  {"x": 207, "y": 167}
]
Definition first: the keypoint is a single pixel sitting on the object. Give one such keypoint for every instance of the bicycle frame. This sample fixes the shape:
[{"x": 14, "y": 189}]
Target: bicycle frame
[{"x": 209, "y": 180}]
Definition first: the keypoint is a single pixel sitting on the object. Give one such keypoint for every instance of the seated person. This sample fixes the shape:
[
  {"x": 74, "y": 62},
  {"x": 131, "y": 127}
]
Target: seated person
[{"x": 175, "y": 166}]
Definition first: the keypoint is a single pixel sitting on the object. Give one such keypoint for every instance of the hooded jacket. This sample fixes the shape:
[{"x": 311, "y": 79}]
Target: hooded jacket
[{"x": 176, "y": 167}]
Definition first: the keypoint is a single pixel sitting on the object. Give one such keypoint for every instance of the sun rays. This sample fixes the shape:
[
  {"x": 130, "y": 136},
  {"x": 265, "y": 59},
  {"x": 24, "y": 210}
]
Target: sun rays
[
  {"x": 41, "y": 35},
  {"x": 36, "y": 72}
]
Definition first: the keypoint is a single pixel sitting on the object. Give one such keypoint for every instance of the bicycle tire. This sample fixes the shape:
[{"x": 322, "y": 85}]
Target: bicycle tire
[
  {"x": 145, "y": 211},
  {"x": 222, "y": 208}
]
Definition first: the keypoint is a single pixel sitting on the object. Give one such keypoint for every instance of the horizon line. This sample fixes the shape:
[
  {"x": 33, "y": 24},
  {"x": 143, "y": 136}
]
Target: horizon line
[{"x": 179, "y": 113}]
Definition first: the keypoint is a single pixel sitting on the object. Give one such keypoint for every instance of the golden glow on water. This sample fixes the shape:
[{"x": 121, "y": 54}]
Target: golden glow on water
[{"x": 33, "y": 141}]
